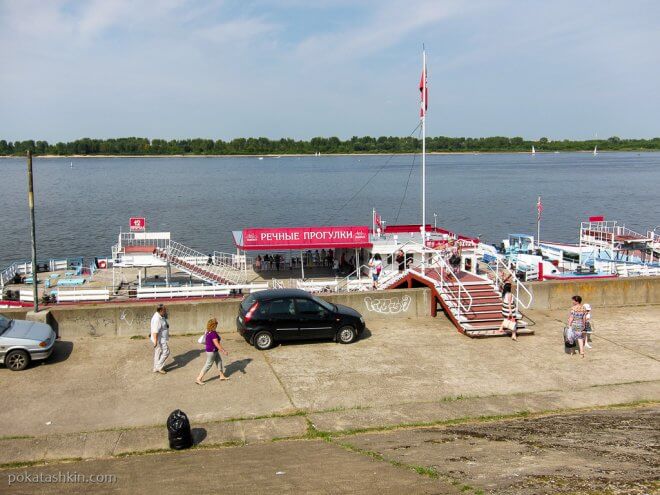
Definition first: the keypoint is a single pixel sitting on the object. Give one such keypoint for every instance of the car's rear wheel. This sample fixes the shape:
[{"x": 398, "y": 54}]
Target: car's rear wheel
[
  {"x": 346, "y": 335},
  {"x": 263, "y": 341},
  {"x": 17, "y": 360}
]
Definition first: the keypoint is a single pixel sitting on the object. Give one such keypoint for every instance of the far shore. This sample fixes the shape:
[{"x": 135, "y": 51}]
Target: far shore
[{"x": 272, "y": 155}]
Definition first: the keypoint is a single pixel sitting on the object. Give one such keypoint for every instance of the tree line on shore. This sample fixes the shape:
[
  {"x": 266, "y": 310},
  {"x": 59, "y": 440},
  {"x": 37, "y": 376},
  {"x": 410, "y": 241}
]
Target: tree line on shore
[{"x": 365, "y": 144}]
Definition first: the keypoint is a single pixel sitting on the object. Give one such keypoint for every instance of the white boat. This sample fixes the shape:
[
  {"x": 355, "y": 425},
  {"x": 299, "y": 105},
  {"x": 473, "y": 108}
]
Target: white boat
[
  {"x": 533, "y": 150},
  {"x": 261, "y": 158},
  {"x": 595, "y": 150}
]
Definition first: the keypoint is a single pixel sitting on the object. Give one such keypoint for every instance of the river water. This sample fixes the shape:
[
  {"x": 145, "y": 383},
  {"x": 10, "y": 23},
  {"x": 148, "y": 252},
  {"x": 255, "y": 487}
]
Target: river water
[{"x": 80, "y": 209}]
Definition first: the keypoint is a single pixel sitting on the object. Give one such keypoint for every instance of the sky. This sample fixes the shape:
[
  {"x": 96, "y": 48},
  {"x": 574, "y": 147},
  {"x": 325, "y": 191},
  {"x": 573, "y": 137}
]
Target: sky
[{"x": 222, "y": 69}]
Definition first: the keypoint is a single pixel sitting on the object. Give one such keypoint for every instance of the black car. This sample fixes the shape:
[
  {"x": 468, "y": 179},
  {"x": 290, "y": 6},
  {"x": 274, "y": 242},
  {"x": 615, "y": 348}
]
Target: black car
[{"x": 280, "y": 315}]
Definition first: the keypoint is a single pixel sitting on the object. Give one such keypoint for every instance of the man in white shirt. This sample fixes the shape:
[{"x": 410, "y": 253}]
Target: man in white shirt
[{"x": 160, "y": 334}]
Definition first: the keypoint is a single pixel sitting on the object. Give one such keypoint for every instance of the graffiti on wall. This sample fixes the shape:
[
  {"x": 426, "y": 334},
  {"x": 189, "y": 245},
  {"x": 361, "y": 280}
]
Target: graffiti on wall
[
  {"x": 130, "y": 319},
  {"x": 388, "y": 305}
]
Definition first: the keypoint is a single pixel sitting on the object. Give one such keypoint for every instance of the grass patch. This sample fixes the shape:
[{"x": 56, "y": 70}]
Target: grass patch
[
  {"x": 145, "y": 452},
  {"x": 41, "y": 462},
  {"x": 220, "y": 445},
  {"x": 16, "y": 437},
  {"x": 341, "y": 409},
  {"x": 314, "y": 433},
  {"x": 454, "y": 398},
  {"x": 291, "y": 414},
  {"x": 429, "y": 472},
  {"x": 137, "y": 337}
]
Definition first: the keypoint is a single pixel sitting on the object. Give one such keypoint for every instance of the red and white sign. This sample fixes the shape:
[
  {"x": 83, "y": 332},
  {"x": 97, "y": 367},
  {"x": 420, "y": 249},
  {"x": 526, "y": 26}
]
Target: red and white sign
[
  {"x": 349, "y": 236},
  {"x": 137, "y": 224}
]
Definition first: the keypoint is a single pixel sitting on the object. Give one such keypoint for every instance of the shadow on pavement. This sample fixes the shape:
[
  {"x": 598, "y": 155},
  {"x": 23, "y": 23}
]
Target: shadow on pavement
[
  {"x": 198, "y": 435},
  {"x": 365, "y": 335},
  {"x": 182, "y": 360},
  {"x": 237, "y": 366},
  {"x": 61, "y": 352}
]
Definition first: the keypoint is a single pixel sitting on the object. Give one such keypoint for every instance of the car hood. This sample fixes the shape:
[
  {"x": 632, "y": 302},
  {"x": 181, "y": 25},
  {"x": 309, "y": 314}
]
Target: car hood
[
  {"x": 345, "y": 310},
  {"x": 28, "y": 330}
]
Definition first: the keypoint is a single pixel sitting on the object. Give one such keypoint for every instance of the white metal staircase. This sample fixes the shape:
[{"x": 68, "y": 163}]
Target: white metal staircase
[
  {"x": 472, "y": 302},
  {"x": 199, "y": 265}
]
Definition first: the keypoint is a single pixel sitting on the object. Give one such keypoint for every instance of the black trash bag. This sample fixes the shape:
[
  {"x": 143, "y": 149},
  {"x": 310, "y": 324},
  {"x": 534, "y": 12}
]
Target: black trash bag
[{"x": 178, "y": 430}]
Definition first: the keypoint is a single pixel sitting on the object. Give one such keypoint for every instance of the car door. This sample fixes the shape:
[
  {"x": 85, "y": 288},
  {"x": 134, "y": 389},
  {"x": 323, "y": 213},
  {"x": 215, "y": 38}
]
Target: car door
[
  {"x": 316, "y": 322},
  {"x": 283, "y": 319}
]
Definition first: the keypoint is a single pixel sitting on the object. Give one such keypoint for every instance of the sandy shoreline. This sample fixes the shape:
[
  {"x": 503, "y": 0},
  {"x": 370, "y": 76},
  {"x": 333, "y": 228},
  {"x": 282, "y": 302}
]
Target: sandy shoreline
[{"x": 191, "y": 155}]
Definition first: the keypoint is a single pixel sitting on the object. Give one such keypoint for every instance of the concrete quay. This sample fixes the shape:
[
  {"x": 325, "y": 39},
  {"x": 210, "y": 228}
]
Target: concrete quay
[{"x": 97, "y": 396}]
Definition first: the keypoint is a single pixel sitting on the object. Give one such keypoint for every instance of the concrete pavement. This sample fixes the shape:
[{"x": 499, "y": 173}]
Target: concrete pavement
[
  {"x": 98, "y": 396},
  {"x": 604, "y": 451}
]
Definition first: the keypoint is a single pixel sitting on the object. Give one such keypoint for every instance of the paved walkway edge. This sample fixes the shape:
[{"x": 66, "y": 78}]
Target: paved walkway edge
[{"x": 15, "y": 451}]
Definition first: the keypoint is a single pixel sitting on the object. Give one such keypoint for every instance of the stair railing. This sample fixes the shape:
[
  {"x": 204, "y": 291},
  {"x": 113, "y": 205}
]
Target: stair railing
[
  {"x": 178, "y": 253},
  {"x": 447, "y": 275},
  {"x": 511, "y": 276}
]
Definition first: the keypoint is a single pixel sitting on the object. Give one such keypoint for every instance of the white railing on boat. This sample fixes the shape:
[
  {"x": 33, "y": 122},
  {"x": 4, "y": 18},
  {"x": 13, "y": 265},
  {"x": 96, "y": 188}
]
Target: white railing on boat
[
  {"x": 169, "y": 292},
  {"x": 318, "y": 285},
  {"x": 26, "y": 295},
  {"x": 77, "y": 295}
]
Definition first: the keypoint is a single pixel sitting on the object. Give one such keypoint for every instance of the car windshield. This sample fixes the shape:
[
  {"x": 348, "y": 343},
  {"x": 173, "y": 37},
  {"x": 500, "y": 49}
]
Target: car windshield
[
  {"x": 5, "y": 323},
  {"x": 325, "y": 304}
]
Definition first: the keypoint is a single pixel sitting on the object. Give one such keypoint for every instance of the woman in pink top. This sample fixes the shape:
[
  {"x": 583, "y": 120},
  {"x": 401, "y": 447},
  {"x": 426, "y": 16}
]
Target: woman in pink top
[{"x": 213, "y": 350}]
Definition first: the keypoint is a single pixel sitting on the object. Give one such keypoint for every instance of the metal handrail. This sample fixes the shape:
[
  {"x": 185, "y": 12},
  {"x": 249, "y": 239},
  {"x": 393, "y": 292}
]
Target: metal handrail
[
  {"x": 178, "y": 251},
  {"x": 445, "y": 268},
  {"x": 519, "y": 284},
  {"x": 7, "y": 275},
  {"x": 344, "y": 283}
]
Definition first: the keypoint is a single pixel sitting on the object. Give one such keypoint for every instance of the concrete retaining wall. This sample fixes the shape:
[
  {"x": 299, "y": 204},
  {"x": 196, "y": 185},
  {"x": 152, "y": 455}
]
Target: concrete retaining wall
[
  {"x": 606, "y": 292},
  {"x": 191, "y": 316}
]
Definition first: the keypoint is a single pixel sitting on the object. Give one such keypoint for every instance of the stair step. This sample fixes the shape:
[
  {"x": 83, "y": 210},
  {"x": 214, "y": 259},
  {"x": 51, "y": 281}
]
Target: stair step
[
  {"x": 481, "y": 325},
  {"x": 495, "y": 332}
]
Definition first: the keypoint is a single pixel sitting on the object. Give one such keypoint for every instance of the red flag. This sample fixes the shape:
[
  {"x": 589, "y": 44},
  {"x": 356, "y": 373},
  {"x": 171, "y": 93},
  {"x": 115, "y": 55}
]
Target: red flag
[
  {"x": 424, "y": 93},
  {"x": 539, "y": 209},
  {"x": 377, "y": 220}
]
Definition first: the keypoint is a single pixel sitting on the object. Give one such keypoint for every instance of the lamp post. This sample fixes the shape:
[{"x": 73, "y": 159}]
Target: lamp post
[
  {"x": 435, "y": 220},
  {"x": 35, "y": 293}
]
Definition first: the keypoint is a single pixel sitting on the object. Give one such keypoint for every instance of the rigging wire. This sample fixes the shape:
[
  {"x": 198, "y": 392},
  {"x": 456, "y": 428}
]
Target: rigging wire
[
  {"x": 405, "y": 191},
  {"x": 334, "y": 214}
]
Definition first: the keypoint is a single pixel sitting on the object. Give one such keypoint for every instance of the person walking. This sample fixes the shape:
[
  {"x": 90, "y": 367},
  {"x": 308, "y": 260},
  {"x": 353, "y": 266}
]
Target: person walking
[
  {"x": 213, "y": 350},
  {"x": 588, "y": 329},
  {"x": 508, "y": 312},
  {"x": 576, "y": 321},
  {"x": 400, "y": 260},
  {"x": 376, "y": 266},
  {"x": 160, "y": 335}
]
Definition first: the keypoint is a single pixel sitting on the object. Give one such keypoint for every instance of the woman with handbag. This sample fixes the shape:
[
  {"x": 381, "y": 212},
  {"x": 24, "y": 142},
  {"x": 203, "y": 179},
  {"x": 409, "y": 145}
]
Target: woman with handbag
[
  {"x": 213, "y": 350},
  {"x": 577, "y": 320},
  {"x": 508, "y": 312}
]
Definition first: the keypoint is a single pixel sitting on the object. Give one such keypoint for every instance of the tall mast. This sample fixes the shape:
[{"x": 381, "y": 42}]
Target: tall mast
[
  {"x": 424, "y": 145},
  {"x": 423, "y": 115}
]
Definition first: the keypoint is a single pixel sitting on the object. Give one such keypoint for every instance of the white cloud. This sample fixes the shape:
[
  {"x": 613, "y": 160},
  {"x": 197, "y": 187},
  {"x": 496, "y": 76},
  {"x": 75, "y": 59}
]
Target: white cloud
[
  {"x": 392, "y": 22},
  {"x": 238, "y": 30}
]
